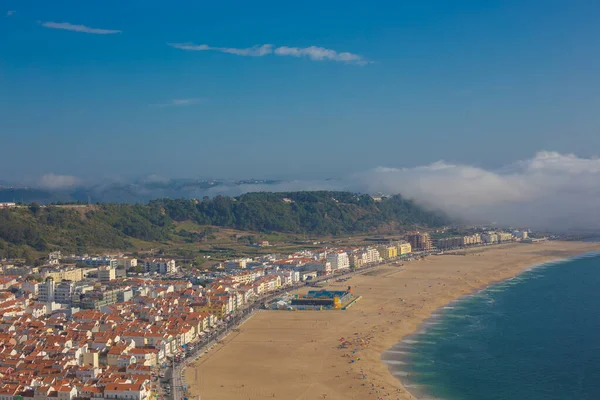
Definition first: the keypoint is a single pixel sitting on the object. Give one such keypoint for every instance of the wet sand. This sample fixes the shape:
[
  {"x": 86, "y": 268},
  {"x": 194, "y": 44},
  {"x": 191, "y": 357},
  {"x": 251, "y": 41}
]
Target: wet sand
[{"x": 297, "y": 354}]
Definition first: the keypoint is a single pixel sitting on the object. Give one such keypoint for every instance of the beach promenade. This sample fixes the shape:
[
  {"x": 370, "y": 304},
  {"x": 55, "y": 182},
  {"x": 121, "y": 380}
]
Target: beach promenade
[{"x": 337, "y": 354}]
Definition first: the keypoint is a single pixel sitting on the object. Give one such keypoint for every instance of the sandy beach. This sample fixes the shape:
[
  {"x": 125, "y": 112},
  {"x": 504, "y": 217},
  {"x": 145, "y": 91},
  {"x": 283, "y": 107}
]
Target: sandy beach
[{"x": 297, "y": 355}]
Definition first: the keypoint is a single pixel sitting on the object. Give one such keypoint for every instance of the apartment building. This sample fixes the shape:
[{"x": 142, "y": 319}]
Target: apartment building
[
  {"x": 127, "y": 262},
  {"x": 66, "y": 274},
  {"x": 106, "y": 274},
  {"x": 320, "y": 267},
  {"x": 160, "y": 265},
  {"x": 489, "y": 237},
  {"x": 387, "y": 252},
  {"x": 338, "y": 261},
  {"x": 96, "y": 299},
  {"x": 404, "y": 248},
  {"x": 371, "y": 255},
  {"x": 419, "y": 240},
  {"x": 471, "y": 240},
  {"x": 46, "y": 291},
  {"x": 504, "y": 237},
  {"x": 64, "y": 291},
  {"x": 522, "y": 235},
  {"x": 356, "y": 260},
  {"x": 450, "y": 243},
  {"x": 97, "y": 261}
]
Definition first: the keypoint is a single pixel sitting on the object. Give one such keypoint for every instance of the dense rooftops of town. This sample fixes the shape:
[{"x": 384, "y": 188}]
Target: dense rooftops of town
[{"x": 82, "y": 327}]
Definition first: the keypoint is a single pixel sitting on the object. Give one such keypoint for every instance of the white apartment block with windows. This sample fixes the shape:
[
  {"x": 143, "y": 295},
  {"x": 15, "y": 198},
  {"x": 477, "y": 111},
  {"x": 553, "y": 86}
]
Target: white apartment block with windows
[
  {"x": 63, "y": 292},
  {"x": 338, "y": 261},
  {"x": 161, "y": 265},
  {"x": 371, "y": 256},
  {"x": 106, "y": 274},
  {"x": 489, "y": 237},
  {"x": 127, "y": 262},
  {"x": 46, "y": 291},
  {"x": 320, "y": 267}
]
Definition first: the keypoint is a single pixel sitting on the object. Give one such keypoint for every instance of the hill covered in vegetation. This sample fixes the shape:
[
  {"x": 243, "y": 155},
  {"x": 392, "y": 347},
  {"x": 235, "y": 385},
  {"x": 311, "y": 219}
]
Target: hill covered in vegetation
[{"x": 34, "y": 228}]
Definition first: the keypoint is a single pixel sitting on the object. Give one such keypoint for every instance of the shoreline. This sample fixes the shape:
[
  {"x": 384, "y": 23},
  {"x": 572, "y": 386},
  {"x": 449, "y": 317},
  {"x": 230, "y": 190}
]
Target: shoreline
[
  {"x": 427, "y": 323},
  {"x": 296, "y": 355}
]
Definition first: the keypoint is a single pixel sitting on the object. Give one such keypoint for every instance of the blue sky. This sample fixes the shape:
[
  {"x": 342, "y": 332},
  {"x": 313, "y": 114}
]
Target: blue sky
[{"x": 180, "y": 91}]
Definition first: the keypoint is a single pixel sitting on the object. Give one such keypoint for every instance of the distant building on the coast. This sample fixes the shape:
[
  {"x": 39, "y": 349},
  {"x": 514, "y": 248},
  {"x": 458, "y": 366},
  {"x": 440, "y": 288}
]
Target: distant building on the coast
[
  {"x": 404, "y": 248},
  {"x": 386, "y": 252},
  {"x": 521, "y": 235},
  {"x": 159, "y": 265},
  {"x": 489, "y": 237},
  {"x": 338, "y": 260},
  {"x": 449, "y": 243},
  {"x": 457, "y": 241},
  {"x": 504, "y": 237},
  {"x": 321, "y": 267},
  {"x": 419, "y": 240},
  {"x": 127, "y": 262},
  {"x": 322, "y": 299},
  {"x": 471, "y": 240}
]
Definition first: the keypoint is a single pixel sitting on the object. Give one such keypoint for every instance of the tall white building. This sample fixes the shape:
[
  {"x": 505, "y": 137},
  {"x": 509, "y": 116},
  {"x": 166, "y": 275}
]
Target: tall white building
[
  {"x": 520, "y": 234},
  {"x": 371, "y": 256},
  {"x": 46, "y": 291},
  {"x": 160, "y": 265},
  {"x": 63, "y": 292},
  {"x": 97, "y": 261},
  {"x": 338, "y": 261},
  {"x": 106, "y": 274},
  {"x": 127, "y": 262},
  {"x": 321, "y": 267}
]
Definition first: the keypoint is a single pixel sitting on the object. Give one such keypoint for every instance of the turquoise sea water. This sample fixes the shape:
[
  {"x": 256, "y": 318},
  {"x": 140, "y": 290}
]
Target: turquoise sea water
[{"x": 534, "y": 337}]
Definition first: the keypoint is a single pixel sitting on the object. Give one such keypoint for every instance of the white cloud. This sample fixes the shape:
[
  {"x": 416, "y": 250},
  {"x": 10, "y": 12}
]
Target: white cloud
[
  {"x": 53, "y": 181},
  {"x": 254, "y": 51},
  {"x": 319, "y": 54},
  {"x": 548, "y": 191},
  {"x": 78, "y": 28},
  {"x": 313, "y": 52},
  {"x": 10, "y": 13},
  {"x": 179, "y": 102}
]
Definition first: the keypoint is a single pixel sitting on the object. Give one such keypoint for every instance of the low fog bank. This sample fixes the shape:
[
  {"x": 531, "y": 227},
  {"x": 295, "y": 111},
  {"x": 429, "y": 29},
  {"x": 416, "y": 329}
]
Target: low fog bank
[{"x": 549, "y": 191}]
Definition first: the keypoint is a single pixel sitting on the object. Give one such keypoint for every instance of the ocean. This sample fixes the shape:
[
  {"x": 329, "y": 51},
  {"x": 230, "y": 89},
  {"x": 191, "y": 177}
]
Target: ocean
[{"x": 533, "y": 337}]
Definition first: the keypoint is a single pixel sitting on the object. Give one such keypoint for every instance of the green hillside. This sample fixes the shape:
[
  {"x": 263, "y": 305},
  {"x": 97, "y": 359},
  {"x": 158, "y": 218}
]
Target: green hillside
[{"x": 31, "y": 229}]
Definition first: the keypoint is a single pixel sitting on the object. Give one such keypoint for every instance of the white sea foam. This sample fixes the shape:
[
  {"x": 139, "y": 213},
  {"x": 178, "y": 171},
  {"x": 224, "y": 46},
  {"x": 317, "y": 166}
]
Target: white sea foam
[
  {"x": 394, "y": 362},
  {"x": 460, "y": 316},
  {"x": 398, "y": 352},
  {"x": 411, "y": 386},
  {"x": 400, "y": 373},
  {"x": 410, "y": 341}
]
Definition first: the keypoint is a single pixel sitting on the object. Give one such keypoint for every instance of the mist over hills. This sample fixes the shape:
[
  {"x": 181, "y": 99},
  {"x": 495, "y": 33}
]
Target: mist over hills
[
  {"x": 141, "y": 191},
  {"x": 549, "y": 191}
]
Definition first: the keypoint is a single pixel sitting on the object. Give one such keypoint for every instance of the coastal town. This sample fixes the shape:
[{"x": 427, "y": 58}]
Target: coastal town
[{"x": 117, "y": 327}]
